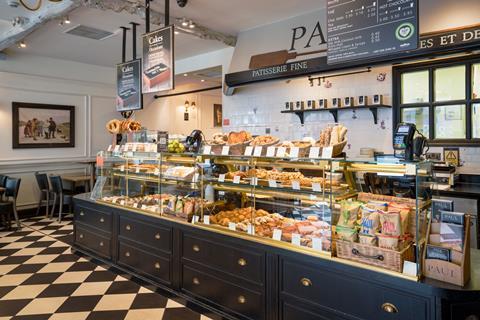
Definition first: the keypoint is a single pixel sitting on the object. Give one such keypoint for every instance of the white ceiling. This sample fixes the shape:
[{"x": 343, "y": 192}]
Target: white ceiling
[{"x": 227, "y": 16}]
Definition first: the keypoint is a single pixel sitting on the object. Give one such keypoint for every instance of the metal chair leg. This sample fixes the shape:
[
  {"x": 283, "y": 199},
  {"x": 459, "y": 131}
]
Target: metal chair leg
[
  {"x": 15, "y": 212},
  {"x": 53, "y": 205},
  {"x": 60, "y": 208},
  {"x": 39, "y": 203},
  {"x": 48, "y": 204}
]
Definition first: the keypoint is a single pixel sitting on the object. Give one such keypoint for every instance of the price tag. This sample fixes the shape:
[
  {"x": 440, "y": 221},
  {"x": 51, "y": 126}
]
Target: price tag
[
  {"x": 221, "y": 178},
  {"x": 410, "y": 169},
  {"x": 122, "y": 148},
  {"x": 313, "y": 197},
  {"x": 117, "y": 148},
  {"x": 206, "y": 219},
  {"x": 294, "y": 152},
  {"x": 221, "y": 193},
  {"x": 236, "y": 179},
  {"x": 327, "y": 152},
  {"x": 277, "y": 234},
  {"x": 271, "y": 152},
  {"x": 134, "y": 147},
  {"x": 207, "y": 149},
  {"x": 409, "y": 268},
  {"x": 314, "y": 152},
  {"x": 248, "y": 151},
  {"x": 281, "y": 152},
  {"x": 156, "y": 172},
  {"x": 296, "y": 239},
  {"x": 137, "y": 170},
  {"x": 316, "y": 187},
  {"x": 110, "y": 147},
  {"x": 317, "y": 244},
  {"x": 122, "y": 168},
  {"x": 122, "y": 202},
  {"x": 129, "y": 154},
  {"x": 272, "y": 183},
  {"x": 225, "y": 150},
  {"x": 257, "y": 152},
  {"x": 232, "y": 226},
  {"x": 254, "y": 181},
  {"x": 250, "y": 229},
  {"x": 207, "y": 161},
  {"x": 195, "y": 219},
  {"x": 144, "y": 207},
  {"x": 296, "y": 185}
]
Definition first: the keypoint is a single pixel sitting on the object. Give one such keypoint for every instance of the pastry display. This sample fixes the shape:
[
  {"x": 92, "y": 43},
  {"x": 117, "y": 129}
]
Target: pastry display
[
  {"x": 113, "y": 126},
  {"x": 238, "y": 137},
  {"x": 116, "y": 126},
  {"x": 331, "y": 136},
  {"x": 179, "y": 172},
  {"x": 218, "y": 138},
  {"x": 263, "y": 140}
]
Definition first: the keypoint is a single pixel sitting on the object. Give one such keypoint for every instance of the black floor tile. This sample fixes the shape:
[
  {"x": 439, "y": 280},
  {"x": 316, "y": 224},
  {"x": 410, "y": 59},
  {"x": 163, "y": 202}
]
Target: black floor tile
[
  {"x": 41, "y": 244},
  {"x": 108, "y": 315},
  {"x": 82, "y": 266},
  {"x": 12, "y": 307},
  {"x": 180, "y": 313},
  {"x": 149, "y": 300},
  {"x": 33, "y": 317},
  {"x": 59, "y": 290},
  {"x": 42, "y": 278},
  {"x": 123, "y": 287},
  {"x": 15, "y": 260},
  {"x": 77, "y": 304},
  {"x": 27, "y": 268},
  {"x": 5, "y": 290},
  {"x": 67, "y": 257},
  {"x": 54, "y": 250},
  {"x": 101, "y": 276}
]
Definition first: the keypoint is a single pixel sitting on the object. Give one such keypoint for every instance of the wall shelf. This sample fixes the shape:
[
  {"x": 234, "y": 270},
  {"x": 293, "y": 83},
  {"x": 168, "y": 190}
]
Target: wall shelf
[{"x": 334, "y": 111}]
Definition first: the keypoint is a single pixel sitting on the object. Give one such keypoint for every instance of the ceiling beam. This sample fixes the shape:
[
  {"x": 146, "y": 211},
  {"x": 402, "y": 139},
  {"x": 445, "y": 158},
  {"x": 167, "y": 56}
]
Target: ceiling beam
[
  {"x": 49, "y": 11},
  {"x": 157, "y": 18}
]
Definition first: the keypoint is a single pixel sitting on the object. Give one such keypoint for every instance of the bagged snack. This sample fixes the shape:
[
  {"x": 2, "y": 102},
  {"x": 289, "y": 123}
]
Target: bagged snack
[
  {"x": 378, "y": 205},
  {"x": 172, "y": 202},
  {"x": 391, "y": 224},
  {"x": 346, "y": 234},
  {"x": 349, "y": 214},
  {"x": 370, "y": 223},
  {"x": 388, "y": 242},
  {"x": 368, "y": 239},
  {"x": 179, "y": 206}
]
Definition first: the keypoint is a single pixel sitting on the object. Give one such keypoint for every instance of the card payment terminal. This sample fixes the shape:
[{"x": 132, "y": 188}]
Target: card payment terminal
[{"x": 403, "y": 141}]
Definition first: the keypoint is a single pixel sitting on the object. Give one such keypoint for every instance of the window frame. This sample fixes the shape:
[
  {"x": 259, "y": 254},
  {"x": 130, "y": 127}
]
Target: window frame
[{"x": 468, "y": 62}]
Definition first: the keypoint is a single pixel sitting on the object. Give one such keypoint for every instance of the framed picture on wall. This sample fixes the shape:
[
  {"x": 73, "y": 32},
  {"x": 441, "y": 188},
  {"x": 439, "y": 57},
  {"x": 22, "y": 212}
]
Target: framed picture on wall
[
  {"x": 217, "y": 115},
  {"x": 42, "y": 126}
]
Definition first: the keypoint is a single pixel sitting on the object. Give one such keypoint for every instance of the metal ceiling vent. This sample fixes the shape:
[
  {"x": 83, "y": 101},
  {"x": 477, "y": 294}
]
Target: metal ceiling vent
[{"x": 89, "y": 32}]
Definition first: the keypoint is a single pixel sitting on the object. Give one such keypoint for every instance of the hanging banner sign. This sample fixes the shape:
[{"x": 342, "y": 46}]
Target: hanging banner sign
[
  {"x": 129, "y": 86},
  {"x": 158, "y": 61}
]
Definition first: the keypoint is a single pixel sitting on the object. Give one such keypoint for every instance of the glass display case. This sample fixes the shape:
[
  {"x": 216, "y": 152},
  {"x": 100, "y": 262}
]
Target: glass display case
[{"x": 371, "y": 213}]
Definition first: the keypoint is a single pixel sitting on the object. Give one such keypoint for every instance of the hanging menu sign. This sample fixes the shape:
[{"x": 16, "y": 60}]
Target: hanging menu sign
[
  {"x": 129, "y": 86},
  {"x": 362, "y": 29},
  {"x": 158, "y": 61}
]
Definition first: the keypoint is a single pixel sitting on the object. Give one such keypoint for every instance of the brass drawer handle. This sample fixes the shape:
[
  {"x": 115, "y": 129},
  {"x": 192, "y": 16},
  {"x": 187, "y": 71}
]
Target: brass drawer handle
[
  {"x": 306, "y": 282},
  {"x": 82, "y": 213},
  {"x": 127, "y": 254},
  {"x": 196, "y": 281},
  {"x": 81, "y": 235},
  {"x": 196, "y": 248},
  {"x": 242, "y": 262},
  {"x": 157, "y": 236},
  {"x": 102, "y": 220},
  {"x": 128, "y": 227},
  {"x": 101, "y": 243},
  {"x": 389, "y": 307},
  {"x": 241, "y": 299},
  {"x": 157, "y": 265}
]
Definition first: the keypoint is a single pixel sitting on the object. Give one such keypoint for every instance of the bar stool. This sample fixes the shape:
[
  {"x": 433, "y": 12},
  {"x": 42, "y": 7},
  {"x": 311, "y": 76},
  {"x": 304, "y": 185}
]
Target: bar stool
[
  {"x": 12, "y": 186},
  {"x": 44, "y": 186},
  {"x": 61, "y": 194}
]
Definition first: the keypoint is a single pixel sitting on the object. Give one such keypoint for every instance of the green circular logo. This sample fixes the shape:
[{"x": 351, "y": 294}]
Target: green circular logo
[{"x": 404, "y": 31}]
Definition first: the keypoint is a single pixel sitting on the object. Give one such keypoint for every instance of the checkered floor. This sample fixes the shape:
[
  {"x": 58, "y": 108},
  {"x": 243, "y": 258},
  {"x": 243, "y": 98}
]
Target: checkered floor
[{"x": 40, "y": 278}]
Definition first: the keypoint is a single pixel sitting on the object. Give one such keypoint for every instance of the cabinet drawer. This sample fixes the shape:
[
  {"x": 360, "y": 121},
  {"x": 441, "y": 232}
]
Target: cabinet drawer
[
  {"x": 91, "y": 240},
  {"x": 330, "y": 290},
  {"x": 298, "y": 311},
  {"x": 145, "y": 263},
  {"x": 246, "y": 264},
  {"x": 157, "y": 237},
  {"x": 94, "y": 218},
  {"x": 242, "y": 301}
]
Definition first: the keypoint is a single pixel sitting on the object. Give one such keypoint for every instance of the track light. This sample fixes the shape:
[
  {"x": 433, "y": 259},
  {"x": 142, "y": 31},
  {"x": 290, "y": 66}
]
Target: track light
[
  {"x": 191, "y": 24},
  {"x": 22, "y": 44},
  {"x": 66, "y": 20},
  {"x": 184, "y": 22}
]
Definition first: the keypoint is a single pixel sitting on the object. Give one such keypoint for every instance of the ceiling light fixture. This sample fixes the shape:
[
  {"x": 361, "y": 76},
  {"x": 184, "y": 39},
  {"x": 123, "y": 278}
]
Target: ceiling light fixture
[
  {"x": 184, "y": 22},
  {"x": 203, "y": 80},
  {"x": 185, "y": 74},
  {"x": 191, "y": 24},
  {"x": 66, "y": 20},
  {"x": 22, "y": 44}
]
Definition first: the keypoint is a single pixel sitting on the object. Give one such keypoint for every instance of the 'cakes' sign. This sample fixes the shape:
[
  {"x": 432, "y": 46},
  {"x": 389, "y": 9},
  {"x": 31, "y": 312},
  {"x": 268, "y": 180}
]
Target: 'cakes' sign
[
  {"x": 129, "y": 86},
  {"x": 158, "y": 61}
]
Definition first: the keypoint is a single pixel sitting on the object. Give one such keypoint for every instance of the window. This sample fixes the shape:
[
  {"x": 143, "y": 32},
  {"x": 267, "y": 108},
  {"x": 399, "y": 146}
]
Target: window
[{"x": 442, "y": 99}]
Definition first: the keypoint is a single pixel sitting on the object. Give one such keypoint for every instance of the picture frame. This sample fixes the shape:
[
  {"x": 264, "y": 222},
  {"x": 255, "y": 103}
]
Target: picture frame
[
  {"x": 37, "y": 125},
  {"x": 217, "y": 115}
]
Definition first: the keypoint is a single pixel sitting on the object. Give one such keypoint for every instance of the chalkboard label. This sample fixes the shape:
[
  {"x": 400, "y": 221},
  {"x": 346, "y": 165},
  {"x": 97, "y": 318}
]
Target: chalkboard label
[{"x": 363, "y": 29}]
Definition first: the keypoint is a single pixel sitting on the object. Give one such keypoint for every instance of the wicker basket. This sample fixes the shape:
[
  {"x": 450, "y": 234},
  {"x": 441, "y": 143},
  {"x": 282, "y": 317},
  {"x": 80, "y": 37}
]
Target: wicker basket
[
  {"x": 412, "y": 223},
  {"x": 216, "y": 149},
  {"x": 238, "y": 149},
  {"x": 337, "y": 148},
  {"x": 302, "y": 152},
  {"x": 265, "y": 146},
  {"x": 375, "y": 256}
]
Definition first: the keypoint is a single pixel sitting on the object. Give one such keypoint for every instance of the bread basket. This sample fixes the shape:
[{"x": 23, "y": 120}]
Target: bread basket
[
  {"x": 238, "y": 149},
  {"x": 266, "y": 145},
  {"x": 337, "y": 149}
]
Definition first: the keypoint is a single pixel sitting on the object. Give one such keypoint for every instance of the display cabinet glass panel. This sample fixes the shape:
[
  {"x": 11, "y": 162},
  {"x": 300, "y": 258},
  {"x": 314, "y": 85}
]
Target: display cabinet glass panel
[
  {"x": 450, "y": 122},
  {"x": 449, "y": 83},
  {"x": 418, "y": 116},
  {"x": 415, "y": 88},
  {"x": 476, "y": 81},
  {"x": 476, "y": 121}
]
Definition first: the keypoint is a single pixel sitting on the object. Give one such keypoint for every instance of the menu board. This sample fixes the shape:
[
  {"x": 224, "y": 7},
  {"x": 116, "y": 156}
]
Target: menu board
[
  {"x": 129, "y": 86},
  {"x": 362, "y": 29},
  {"x": 158, "y": 60}
]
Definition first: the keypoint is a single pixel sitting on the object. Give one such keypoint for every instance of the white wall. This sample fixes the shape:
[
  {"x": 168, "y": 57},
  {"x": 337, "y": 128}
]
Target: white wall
[{"x": 25, "y": 78}]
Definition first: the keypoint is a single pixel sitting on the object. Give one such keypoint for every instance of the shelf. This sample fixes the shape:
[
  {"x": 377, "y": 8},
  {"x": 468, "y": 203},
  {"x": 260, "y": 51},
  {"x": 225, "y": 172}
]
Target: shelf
[{"x": 334, "y": 111}]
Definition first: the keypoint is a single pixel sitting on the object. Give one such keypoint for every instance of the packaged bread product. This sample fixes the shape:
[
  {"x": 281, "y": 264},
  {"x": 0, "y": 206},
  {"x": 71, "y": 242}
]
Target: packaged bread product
[
  {"x": 377, "y": 205},
  {"x": 347, "y": 234},
  {"x": 349, "y": 213},
  {"x": 388, "y": 242},
  {"x": 394, "y": 223},
  {"x": 368, "y": 240},
  {"x": 370, "y": 223},
  {"x": 335, "y": 136}
]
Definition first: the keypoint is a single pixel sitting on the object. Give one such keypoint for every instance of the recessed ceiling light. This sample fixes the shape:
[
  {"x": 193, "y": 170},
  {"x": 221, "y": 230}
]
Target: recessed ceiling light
[
  {"x": 203, "y": 80},
  {"x": 67, "y": 20},
  {"x": 22, "y": 44},
  {"x": 184, "y": 22},
  {"x": 185, "y": 74},
  {"x": 176, "y": 32},
  {"x": 191, "y": 25}
]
